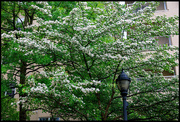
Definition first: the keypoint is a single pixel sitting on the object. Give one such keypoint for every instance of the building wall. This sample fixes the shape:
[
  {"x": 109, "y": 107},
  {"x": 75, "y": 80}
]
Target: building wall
[
  {"x": 38, "y": 113},
  {"x": 172, "y": 9}
]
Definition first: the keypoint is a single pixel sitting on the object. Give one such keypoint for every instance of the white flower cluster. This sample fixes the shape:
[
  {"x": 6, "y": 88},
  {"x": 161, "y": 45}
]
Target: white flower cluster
[
  {"x": 43, "y": 73},
  {"x": 45, "y": 11},
  {"x": 12, "y": 104},
  {"x": 78, "y": 99},
  {"x": 20, "y": 32},
  {"x": 87, "y": 90},
  {"x": 29, "y": 53},
  {"x": 31, "y": 26},
  {"x": 93, "y": 82},
  {"x": 86, "y": 50},
  {"x": 50, "y": 44},
  {"x": 88, "y": 27},
  {"x": 46, "y": 8},
  {"x": 52, "y": 22},
  {"x": 59, "y": 81},
  {"x": 42, "y": 3},
  {"x": 22, "y": 50},
  {"x": 59, "y": 77},
  {"x": 109, "y": 56},
  {"x": 4, "y": 35},
  {"x": 96, "y": 82},
  {"x": 21, "y": 100},
  {"x": 30, "y": 41},
  {"x": 40, "y": 88},
  {"x": 30, "y": 81}
]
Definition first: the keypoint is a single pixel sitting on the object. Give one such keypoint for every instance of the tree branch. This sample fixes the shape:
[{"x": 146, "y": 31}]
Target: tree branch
[
  {"x": 107, "y": 108},
  {"x": 15, "y": 15},
  {"x": 42, "y": 66},
  {"x": 99, "y": 103},
  {"x": 87, "y": 65}
]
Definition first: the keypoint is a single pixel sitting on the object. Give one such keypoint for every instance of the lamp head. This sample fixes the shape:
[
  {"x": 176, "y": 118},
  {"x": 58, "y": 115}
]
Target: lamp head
[{"x": 123, "y": 82}]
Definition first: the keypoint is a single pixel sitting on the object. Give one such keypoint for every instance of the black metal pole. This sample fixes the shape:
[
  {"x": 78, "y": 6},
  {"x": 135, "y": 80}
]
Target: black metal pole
[{"x": 124, "y": 108}]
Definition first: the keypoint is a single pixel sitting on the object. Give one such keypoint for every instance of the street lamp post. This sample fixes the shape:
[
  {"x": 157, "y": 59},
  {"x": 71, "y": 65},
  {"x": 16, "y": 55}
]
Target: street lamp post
[{"x": 123, "y": 82}]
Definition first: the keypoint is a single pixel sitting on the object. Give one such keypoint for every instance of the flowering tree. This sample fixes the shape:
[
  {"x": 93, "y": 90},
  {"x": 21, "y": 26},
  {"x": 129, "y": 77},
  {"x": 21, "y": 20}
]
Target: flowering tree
[
  {"x": 90, "y": 46},
  {"x": 18, "y": 60}
]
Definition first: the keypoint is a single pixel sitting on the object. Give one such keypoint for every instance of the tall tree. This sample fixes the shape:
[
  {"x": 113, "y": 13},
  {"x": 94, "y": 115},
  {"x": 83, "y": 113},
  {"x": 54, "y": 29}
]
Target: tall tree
[
  {"x": 90, "y": 47},
  {"x": 22, "y": 60}
]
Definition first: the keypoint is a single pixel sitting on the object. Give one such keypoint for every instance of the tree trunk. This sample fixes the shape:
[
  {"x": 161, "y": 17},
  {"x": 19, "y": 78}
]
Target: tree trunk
[
  {"x": 26, "y": 18},
  {"x": 22, "y": 111}
]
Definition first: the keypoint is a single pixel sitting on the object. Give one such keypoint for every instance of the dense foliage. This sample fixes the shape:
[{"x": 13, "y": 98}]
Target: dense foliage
[
  {"x": 8, "y": 104},
  {"x": 81, "y": 51}
]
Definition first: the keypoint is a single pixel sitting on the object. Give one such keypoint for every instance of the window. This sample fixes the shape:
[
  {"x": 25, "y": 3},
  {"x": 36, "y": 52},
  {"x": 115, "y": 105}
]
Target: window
[
  {"x": 130, "y": 3},
  {"x": 122, "y": 2},
  {"x": 11, "y": 91},
  {"x": 49, "y": 119},
  {"x": 162, "y": 6},
  {"x": 140, "y": 8},
  {"x": 43, "y": 119},
  {"x": 4, "y": 60},
  {"x": 19, "y": 20},
  {"x": 164, "y": 41},
  {"x": 125, "y": 35},
  {"x": 19, "y": 23}
]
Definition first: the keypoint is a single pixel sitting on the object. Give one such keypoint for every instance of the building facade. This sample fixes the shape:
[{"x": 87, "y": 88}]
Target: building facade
[{"x": 168, "y": 8}]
